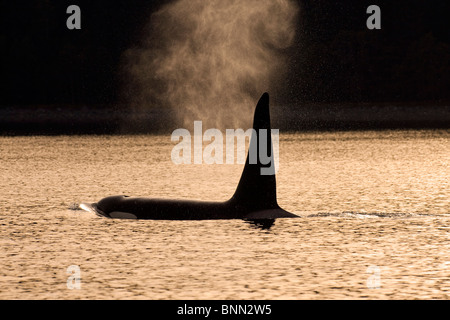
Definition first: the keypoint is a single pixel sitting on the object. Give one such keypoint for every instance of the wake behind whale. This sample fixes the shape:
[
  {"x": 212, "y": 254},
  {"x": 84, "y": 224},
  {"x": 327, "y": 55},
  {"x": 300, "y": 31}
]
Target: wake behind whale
[{"x": 255, "y": 197}]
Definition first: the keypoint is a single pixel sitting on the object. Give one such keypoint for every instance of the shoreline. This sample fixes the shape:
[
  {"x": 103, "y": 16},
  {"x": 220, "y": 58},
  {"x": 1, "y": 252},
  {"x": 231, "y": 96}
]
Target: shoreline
[{"x": 76, "y": 120}]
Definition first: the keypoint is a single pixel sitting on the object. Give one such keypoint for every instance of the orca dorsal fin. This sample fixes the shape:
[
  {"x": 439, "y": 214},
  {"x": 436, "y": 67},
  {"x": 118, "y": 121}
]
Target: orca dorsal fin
[{"x": 257, "y": 186}]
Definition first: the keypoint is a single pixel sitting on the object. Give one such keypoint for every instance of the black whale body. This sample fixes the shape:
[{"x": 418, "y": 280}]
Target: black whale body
[{"x": 255, "y": 196}]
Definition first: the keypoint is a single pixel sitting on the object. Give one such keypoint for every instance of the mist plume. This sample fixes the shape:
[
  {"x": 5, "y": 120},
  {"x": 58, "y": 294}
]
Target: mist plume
[{"x": 210, "y": 60}]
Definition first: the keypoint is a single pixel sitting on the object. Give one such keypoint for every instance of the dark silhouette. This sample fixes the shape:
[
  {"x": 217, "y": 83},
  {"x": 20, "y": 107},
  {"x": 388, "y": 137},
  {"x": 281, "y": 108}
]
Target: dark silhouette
[
  {"x": 254, "y": 199},
  {"x": 334, "y": 59}
]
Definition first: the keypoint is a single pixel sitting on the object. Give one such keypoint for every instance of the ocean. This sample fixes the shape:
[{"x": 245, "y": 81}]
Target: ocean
[{"x": 374, "y": 208}]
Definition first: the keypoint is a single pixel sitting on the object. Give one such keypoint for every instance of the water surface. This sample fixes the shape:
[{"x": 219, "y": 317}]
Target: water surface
[{"x": 374, "y": 208}]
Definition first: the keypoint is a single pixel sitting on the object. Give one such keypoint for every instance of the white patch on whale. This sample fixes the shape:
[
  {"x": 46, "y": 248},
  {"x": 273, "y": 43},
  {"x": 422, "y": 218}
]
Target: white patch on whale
[{"x": 122, "y": 215}]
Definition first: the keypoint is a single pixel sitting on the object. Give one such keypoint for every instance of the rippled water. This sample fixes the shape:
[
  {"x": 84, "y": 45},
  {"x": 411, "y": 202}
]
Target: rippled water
[{"x": 374, "y": 206}]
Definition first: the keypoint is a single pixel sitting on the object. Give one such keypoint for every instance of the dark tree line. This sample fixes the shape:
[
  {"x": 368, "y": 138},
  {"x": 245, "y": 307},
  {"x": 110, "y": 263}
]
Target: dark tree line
[
  {"x": 45, "y": 63},
  {"x": 335, "y": 58},
  {"x": 339, "y": 59}
]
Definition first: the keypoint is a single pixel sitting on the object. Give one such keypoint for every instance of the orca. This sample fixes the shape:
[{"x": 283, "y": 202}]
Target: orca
[{"x": 254, "y": 199}]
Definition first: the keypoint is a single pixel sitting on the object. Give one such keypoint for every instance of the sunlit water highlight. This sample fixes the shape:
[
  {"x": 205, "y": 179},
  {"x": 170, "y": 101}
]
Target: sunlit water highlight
[{"x": 367, "y": 200}]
